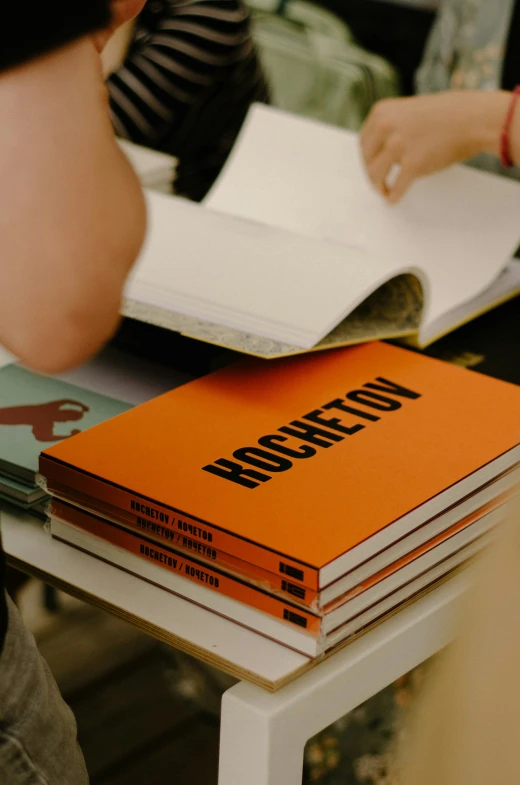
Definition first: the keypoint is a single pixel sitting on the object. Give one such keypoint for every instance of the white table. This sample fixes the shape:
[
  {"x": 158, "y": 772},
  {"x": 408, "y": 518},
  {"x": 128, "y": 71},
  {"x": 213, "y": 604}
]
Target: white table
[{"x": 264, "y": 728}]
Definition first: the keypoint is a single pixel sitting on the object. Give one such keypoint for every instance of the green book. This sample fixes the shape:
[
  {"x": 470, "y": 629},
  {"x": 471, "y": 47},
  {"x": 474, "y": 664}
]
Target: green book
[
  {"x": 39, "y": 509},
  {"x": 20, "y": 493},
  {"x": 38, "y": 411}
]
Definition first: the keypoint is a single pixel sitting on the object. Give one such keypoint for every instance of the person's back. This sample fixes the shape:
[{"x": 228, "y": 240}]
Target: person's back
[{"x": 72, "y": 221}]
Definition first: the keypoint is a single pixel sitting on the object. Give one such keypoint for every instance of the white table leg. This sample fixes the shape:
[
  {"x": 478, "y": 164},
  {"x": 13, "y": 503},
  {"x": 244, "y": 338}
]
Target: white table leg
[{"x": 263, "y": 735}]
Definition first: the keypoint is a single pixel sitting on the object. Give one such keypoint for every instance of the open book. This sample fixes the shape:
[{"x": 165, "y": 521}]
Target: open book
[{"x": 293, "y": 250}]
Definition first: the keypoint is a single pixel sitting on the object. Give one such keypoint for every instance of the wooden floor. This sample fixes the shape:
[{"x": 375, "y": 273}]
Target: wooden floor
[{"x": 134, "y": 727}]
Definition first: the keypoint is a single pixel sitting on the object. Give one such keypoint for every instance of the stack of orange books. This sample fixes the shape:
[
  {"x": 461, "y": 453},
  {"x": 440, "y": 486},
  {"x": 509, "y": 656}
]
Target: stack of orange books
[{"x": 305, "y": 498}]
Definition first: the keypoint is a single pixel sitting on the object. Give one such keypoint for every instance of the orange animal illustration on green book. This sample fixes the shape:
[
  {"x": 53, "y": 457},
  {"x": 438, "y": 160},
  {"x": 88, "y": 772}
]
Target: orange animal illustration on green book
[
  {"x": 37, "y": 411},
  {"x": 43, "y": 417}
]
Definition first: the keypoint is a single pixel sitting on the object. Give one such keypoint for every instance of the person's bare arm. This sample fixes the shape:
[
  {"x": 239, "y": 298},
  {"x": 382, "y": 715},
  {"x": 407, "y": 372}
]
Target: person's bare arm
[{"x": 72, "y": 214}]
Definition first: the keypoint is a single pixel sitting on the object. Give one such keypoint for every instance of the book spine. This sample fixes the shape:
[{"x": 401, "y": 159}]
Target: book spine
[
  {"x": 178, "y": 541},
  {"x": 103, "y": 496},
  {"x": 199, "y": 573}
]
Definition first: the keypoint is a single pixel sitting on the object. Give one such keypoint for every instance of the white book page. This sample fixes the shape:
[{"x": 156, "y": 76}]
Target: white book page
[
  {"x": 147, "y": 163},
  {"x": 460, "y": 226},
  {"x": 505, "y": 286},
  {"x": 249, "y": 276}
]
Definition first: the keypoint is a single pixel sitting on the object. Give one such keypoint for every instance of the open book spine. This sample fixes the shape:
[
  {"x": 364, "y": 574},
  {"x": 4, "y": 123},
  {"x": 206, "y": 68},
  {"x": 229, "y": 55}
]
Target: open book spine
[
  {"x": 200, "y": 573},
  {"x": 103, "y": 498},
  {"x": 185, "y": 545}
]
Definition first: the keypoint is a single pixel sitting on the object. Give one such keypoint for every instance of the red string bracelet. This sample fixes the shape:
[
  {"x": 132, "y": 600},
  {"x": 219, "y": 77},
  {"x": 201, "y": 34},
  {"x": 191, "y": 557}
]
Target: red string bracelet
[{"x": 505, "y": 145}]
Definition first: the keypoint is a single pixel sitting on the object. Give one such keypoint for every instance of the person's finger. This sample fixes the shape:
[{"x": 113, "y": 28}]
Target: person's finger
[
  {"x": 372, "y": 139},
  {"x": 396, "y": 190},
  {"x": 380, "y": 126},
  {"x": 380, "y": 167}
]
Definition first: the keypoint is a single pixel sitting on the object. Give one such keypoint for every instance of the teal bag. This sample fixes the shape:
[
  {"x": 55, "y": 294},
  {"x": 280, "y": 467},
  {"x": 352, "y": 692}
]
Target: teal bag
[{"x": 314, "y": 65}]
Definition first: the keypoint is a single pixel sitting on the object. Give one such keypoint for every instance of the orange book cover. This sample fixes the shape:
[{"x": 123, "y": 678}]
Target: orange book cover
[
  {"x": 311, "y": 462},
  {"x": 198, "y": 572}
]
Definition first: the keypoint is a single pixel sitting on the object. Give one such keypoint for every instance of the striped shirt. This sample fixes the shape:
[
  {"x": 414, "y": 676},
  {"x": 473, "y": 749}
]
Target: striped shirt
[{"x": 189, "y": 77}]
